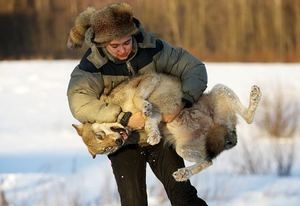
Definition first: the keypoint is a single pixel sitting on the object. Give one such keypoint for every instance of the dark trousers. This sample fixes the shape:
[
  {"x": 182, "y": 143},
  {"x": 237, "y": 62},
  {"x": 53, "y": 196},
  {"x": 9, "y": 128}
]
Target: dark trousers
[{"x": 129, "y": 168}]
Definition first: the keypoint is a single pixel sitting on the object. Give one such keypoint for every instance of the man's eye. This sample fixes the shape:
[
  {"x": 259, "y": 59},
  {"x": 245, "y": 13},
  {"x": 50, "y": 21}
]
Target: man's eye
[
  {"x": 114, "y": 46},
  {"x": 127, "y": 43}
]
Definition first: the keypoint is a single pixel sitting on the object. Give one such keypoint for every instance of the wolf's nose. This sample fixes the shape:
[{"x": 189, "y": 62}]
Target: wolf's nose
[{"x": 119, "y": 142}]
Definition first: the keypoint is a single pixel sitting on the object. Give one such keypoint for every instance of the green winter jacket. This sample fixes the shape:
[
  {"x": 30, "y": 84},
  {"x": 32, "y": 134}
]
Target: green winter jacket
[{"x": 98, "y": 74}]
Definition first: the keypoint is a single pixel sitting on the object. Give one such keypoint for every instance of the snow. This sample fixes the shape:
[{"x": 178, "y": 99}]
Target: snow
[{"x": 44, "y": 162}]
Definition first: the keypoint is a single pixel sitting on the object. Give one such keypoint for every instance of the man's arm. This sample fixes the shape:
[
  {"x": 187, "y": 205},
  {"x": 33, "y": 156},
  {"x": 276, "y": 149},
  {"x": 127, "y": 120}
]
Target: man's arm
[
  {"x": 84, "y": 92},
  {"x": 190, "y": 70}
]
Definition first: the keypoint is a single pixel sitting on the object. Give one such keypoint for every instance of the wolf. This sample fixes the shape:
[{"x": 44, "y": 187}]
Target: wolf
[{"x": 198, "y": 134}]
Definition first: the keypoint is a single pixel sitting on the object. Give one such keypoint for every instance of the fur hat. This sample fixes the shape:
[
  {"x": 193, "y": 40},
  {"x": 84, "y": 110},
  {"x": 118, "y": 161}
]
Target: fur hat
[{"x": 111, "y": 22}]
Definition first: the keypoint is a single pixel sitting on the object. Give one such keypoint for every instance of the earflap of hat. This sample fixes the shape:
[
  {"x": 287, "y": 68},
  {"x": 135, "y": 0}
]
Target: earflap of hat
[
  {"x": 82, "y": 23},
  {"x": 89, "y": 36}
]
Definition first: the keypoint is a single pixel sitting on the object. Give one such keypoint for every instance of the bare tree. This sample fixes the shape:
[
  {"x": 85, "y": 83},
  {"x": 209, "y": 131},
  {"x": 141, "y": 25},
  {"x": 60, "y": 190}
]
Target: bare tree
[
  {"x": 253, "y": 159},
  {"x": 3, "y": 201},
  {"x": 256, "y": 30},
  {"x": 280, "y": 120}
]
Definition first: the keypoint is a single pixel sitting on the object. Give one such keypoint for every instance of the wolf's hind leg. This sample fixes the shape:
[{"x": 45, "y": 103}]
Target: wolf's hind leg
[
  {"x": 255, "y": 96},
  {"x": 234, "y": 102},
  {"x": 248, "y": 113},
  {"x": 183, "y": 174},
  {"x": 226, "y": 100}
]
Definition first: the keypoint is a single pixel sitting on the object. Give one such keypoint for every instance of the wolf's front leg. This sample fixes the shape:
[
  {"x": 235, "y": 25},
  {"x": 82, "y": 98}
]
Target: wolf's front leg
[
  {"x": 152, "y": 129},
  {"x": 183, "y": 174},
  {"x": 143, "y": 91}
]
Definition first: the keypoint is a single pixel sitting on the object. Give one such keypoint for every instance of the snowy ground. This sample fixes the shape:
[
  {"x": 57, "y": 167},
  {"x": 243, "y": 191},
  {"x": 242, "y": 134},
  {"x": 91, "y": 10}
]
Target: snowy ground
[{"x": 44, "y": 162}]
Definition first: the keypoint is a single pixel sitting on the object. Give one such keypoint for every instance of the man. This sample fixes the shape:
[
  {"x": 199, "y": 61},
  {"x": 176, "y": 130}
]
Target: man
[{"x": 119, "y": 49}]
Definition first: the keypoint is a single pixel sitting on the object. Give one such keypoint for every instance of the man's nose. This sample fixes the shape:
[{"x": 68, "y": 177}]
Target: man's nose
[{"x": 122, "y": 49}]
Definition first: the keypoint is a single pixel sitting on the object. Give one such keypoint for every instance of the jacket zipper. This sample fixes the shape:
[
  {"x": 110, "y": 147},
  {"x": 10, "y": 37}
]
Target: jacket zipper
[{"x": 130, "y": 69}]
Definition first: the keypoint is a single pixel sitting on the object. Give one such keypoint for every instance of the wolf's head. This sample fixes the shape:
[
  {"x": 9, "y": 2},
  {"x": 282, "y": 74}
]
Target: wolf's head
[{"x": 102, "y": 138}]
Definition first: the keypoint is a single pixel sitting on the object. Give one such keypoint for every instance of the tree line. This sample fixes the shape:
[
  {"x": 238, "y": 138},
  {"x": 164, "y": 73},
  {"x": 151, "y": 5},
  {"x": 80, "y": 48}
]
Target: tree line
[{"x": 219, "y": 30}]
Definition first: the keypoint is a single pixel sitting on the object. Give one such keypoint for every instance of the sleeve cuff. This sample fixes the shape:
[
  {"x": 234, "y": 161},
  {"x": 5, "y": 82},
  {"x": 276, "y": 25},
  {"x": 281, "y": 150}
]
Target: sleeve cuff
[
  {"x": 187, "y": 101},
  {"x": 124, "y": 117}
]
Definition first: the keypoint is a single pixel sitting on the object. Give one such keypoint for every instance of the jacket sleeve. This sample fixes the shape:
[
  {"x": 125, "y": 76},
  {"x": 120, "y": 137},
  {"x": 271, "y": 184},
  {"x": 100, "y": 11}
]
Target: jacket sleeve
[
  {"x": 189, "y": 69},
  {"x": 84, "y": 93}
]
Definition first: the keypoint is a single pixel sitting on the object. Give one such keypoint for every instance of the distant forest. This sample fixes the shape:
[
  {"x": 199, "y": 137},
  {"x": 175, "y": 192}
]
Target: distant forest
[{"x": 213, "y": 30}]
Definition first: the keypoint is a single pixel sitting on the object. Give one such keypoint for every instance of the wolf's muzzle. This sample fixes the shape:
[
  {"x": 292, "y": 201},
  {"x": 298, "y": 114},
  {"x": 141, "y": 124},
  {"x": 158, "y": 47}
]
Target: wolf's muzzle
[
  {"x": 122, "y": 131},
  {"x": 119, "y": 142}
]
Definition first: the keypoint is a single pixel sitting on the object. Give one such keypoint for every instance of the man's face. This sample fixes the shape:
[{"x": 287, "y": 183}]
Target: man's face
[{"x": 120, "y": 48}]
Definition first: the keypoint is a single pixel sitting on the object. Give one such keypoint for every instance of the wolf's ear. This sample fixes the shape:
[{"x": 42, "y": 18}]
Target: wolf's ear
[
  {"x": 93, "y": 155},
  {"x": 78, "y": 128}
]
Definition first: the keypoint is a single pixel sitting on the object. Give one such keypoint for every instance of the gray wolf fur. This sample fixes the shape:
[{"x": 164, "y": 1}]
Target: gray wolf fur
[{"x": 198, "y": 134}]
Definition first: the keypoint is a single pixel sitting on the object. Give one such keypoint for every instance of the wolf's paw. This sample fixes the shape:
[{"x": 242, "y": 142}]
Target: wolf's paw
[
  {"x": 182, "y": 174},
  {"x": 255, "y": 94},
  {"x": 154, "y": 137},
  {"x": 147, "y": 109}
]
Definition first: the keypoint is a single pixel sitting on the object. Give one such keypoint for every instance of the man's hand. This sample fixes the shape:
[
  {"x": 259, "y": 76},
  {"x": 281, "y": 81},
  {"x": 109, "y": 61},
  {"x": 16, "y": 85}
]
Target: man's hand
[
  {"x": 170, "y": 117},
  {"x": 136, "y": 121}
]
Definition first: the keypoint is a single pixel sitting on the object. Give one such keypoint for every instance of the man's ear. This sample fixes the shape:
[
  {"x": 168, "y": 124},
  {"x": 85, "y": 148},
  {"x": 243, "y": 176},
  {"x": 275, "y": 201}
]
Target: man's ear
[{"x": 78, "y": 128}]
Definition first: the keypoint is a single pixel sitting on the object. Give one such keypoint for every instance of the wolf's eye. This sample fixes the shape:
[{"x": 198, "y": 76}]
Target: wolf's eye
[{"x": 100, "y": 135}]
